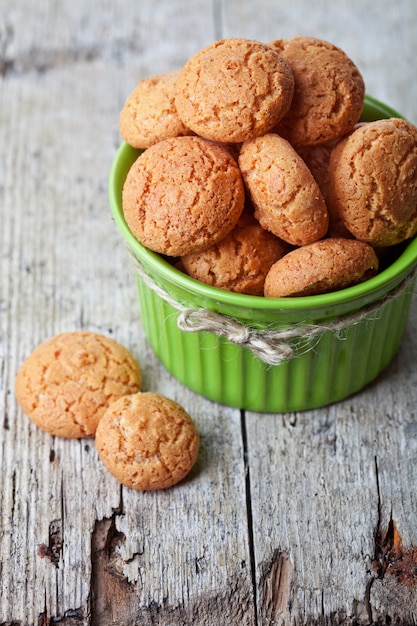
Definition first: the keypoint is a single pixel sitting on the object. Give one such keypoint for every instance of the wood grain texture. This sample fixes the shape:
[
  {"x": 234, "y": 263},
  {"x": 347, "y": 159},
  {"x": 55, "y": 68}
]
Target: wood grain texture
[
  {"x": 338, "y": 479},
  {"x": 286, "y": 519}
]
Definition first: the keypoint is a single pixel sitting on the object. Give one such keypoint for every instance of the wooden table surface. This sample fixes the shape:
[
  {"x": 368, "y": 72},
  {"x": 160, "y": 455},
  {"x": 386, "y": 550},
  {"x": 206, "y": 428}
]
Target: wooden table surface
[{"x": 286, "y": 518}]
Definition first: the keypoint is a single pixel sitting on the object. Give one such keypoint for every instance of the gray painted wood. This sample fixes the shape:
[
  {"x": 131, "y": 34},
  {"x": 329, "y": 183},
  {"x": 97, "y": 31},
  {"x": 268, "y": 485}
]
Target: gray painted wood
[{"x": 282, "y": 519}]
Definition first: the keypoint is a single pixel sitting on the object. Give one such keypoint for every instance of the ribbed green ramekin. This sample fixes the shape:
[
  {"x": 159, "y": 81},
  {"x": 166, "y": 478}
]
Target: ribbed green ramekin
[{"x": 346, "y": 338}]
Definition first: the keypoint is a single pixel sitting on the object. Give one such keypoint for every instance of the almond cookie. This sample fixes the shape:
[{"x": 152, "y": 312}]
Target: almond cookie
[
  {"x": 147, "y": 441},
  {"x": 240, "y": 261},
  {"x": 328, "y": 95},
  {"x": 320, "y": 267},
  {"x": 287, "y": 199},
  {"x": 372, "y": 185},
  {"x": 182, "y": 195},
  {"x": 149, "y": 114},
  {"x": 234, "y": 89},
  {"x": 317, "y": 159},
  {"x": 66, "y": 384}
]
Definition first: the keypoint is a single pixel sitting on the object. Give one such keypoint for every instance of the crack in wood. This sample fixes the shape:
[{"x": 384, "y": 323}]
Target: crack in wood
[
  {"x": 114, "y": 601},
  {"x": 42, "y": 60},
  {"x": 52, "y": 551},
  {"x": 72, "y": 617},
  {"x": 392, "y": 558},
  {"x": 278, "y": 604},
  {"x": 390, "y": 555},
  {"x": 249, "y": 511},
  {"x": 275, "y": 588}
]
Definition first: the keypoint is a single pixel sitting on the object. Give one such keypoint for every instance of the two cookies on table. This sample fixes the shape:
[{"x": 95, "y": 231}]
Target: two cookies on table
[
  {"x": 254, "y": 159},
  {"x": 84, "y": 384},
  {"x": 255, "y": 177}
]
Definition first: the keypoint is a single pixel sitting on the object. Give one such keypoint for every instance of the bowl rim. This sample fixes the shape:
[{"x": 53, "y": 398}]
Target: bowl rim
[{"x": 386, "y": 279}]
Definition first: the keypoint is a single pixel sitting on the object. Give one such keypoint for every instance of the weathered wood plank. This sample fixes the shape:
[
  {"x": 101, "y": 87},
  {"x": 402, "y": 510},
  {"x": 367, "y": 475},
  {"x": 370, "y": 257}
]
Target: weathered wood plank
[
  {"x": 326, "y": 482},
  {"x": 184, "y": 553},
  {"x": 325, "y": 486},
  {"x": 64, "y": 267}
]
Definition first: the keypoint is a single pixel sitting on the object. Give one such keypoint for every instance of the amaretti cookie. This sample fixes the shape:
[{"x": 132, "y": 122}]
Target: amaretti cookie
[
  {"x": 183, "y": 194},
  {"x": 147, "y": 441},
  {"x": 149, "y": 114},
  {"x": 240, "y": 261},
  {"x": 317, "y": 159},
  {"x": 287, "y": 198},
  {"x": 372, "y": 182},
  {"x": 320, "y": 267},
  {"x": 66, "y": 384},
  {"x": 234, "y": 89},
  {"x": 328, "y": 95}
]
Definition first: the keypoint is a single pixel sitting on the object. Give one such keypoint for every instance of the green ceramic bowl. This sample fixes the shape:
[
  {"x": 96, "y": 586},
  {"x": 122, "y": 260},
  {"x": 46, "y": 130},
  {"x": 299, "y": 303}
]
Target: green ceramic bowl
[{"x": 338, "y": 342}]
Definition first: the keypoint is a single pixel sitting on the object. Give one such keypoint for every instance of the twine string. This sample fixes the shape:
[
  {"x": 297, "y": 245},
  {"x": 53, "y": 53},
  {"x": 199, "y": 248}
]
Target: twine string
[
  {"x": 271, "y": 345},
  {"x": 267, "y": 345}
]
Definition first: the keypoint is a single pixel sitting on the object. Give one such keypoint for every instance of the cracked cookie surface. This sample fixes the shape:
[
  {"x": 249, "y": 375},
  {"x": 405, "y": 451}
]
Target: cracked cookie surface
[
  {"x": 287, "y": 199},
  {"x": 66, "y": 384},
  {"x": 323, "y": 266},
  {"x": 182, "y": 195},
  {"x": 147, "y": 441},
  {"x": 240, "y": 261},
  {"x": 149, "y": 114},
  {"x": 234, "y": 89},
  {"x": 328, "y": 94},
  {"x": 372, "y": 182}
]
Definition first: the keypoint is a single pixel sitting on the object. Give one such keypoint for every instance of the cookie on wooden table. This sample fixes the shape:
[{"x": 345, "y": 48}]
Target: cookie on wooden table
[
  {"x": 66, "y": 384},
  {"x": 323, "y": 266},
  {"x": 147, "y": 441},
  {"x": 234, "y": 89}
]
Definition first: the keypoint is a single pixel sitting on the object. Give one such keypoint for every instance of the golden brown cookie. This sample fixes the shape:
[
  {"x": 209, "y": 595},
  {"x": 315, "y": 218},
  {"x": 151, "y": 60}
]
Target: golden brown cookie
[
  {"x": 66, "y": 384},
  {"x": 287, "y": 199},
  {"x": 320, "y": 267},
  {"x": 328, "y": 95},
  {"x": 372, "y": 183},
  {"x": 147, "y": 441},
  {"x": 182, "y": 195},
  {"x": 240, "y": 261},
  {"x": 234, "y": 89},
  {"x": 336, "y": 225},
  {"x": 317, "y": 159},
  {"x": 149, "y": 114}
]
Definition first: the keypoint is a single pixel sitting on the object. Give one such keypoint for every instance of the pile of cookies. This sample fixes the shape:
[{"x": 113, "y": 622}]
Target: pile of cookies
[
  {"x": 84, "y": 384},
  {"x": 256, "y": 175}
]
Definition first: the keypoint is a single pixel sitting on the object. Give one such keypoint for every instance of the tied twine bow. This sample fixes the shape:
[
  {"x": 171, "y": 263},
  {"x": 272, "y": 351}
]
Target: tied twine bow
[{"x": 270, "y": 345}]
